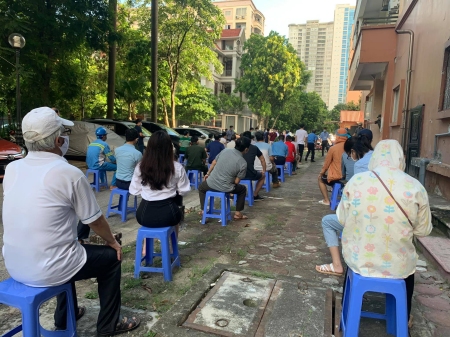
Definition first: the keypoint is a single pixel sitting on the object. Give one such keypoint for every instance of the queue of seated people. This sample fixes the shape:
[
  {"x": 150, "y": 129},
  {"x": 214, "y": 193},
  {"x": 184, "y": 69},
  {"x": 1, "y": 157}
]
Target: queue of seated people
[{"x": 381, "y": 209}]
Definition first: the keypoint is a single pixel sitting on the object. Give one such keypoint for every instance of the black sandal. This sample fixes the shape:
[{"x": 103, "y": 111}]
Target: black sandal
[{"x": 123, "y": 326}]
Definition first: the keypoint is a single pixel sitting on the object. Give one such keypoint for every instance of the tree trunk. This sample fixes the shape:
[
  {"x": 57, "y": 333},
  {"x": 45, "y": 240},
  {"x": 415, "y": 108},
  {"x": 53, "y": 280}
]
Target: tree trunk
[
  {"x": 112, "y": 58},
  {"x": 166, "y": 114},
  {"x": 129, "y": 111},
  {"x": 173, "y": 107},
  {"x": 275, "y": 121},
  {"x": 133, "y": 111}
]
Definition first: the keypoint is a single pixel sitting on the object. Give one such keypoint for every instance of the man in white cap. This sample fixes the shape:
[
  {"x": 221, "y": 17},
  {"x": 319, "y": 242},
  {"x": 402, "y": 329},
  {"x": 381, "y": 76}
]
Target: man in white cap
[{"x": 40, "y": 244}]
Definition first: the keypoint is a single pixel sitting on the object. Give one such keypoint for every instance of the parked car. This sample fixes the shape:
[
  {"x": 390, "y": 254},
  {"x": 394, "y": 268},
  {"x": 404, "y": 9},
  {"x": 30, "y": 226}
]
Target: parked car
[
  {"x": 9, "y": 152},
  {"x": 208, "y": 129},
  {"x": 200, "y": 133},
  {"x": 119, "y": 127},
  {"x": 174, "y": 136},
  {"x": 83, "y": 133}
]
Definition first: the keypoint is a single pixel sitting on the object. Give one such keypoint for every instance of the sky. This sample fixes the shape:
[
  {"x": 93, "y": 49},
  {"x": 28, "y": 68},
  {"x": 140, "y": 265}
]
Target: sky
[{"x": 280, "y": 13}]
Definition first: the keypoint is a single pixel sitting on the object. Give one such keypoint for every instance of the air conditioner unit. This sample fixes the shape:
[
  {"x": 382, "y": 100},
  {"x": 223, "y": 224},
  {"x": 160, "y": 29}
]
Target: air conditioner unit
[{"x": 237, "y": 17}]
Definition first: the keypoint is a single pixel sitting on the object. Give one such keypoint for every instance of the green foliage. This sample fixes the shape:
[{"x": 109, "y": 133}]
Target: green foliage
[
  {"x": 229, "y": 104},
  {"x": 335, "y": 113},
  {"x": 195, "y": 103},
  {"x": 92, "y": 295},
  {"x": 272, "y": 71}
]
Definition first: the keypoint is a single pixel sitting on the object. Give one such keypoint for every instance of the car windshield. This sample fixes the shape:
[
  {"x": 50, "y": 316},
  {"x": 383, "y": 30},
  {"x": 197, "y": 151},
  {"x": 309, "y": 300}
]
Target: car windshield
[
  {"x": 144, "y": 130},
  {"x": 170, "y": 131}
]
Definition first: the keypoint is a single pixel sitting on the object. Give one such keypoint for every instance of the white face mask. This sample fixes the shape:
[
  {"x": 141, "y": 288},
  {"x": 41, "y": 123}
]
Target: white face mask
[{"x": 65, "y": 147}]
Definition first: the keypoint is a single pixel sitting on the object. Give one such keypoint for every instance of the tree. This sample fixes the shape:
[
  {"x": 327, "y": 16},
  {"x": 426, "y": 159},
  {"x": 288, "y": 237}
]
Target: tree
[
  {"x": 229, "y": 104},
  {"x": 271, "y": 72},
  {"x": 54, "y": 30},
  {"x": 187, "y": 34},
  {"x": 195, "y": 102}
]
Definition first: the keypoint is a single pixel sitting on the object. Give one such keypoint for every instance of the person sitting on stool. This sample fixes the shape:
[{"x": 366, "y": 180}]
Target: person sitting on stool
[{"x": 127, "y": 158}]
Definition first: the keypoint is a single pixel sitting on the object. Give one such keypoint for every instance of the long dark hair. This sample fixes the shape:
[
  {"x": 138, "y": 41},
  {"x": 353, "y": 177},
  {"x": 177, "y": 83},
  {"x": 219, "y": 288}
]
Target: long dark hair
[{"x": 157, "y": 165}]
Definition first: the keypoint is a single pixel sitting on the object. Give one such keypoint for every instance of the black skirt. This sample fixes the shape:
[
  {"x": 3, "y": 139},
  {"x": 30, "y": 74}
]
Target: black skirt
[{"x": 160, "y": 213}]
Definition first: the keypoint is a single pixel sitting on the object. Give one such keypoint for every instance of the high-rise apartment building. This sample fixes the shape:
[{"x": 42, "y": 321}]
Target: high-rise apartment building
[
  {"x": 343, "y": 22},
  {"x": 242, "y": 14},
  {"x": 313, "y": 42}
]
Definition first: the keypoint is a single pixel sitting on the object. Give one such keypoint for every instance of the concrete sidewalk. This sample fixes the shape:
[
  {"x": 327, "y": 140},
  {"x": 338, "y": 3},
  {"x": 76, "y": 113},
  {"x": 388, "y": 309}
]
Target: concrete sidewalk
[{"x": 282, "y": 238}]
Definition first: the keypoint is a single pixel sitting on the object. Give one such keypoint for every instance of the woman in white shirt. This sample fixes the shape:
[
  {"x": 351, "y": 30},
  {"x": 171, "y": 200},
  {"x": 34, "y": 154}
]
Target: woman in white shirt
[{"x": 161, "y": 182}]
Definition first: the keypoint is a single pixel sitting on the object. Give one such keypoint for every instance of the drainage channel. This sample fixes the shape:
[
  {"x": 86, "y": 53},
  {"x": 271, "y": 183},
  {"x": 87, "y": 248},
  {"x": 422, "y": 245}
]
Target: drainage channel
[{"x": 242, "y": 305}]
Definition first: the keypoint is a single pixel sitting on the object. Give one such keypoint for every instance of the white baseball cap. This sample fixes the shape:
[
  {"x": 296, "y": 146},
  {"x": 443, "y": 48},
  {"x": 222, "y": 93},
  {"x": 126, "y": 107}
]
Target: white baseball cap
[{"x": 42, "y": 122}]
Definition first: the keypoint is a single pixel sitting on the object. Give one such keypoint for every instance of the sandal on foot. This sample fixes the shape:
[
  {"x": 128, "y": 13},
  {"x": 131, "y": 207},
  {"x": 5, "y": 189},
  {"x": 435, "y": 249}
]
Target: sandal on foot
[
  {"x": 323, "y": 203},
  {"x": 242, "y": 217},
  {"x": 328, "y": 269},
  {"x": 124, "y": 325}
]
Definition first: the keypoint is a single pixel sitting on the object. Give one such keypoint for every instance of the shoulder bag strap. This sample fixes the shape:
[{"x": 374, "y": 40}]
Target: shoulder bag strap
[{"x": 401, "y": 208}]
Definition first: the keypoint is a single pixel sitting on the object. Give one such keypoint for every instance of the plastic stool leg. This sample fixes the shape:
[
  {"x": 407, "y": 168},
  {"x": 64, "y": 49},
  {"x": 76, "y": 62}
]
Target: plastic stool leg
[
  {"x": 30, "y": 321},
  {"x": 223, "y": 211},
  {"x": 138, "y": 258},
  {"x": 149, "y": 251},
  {"x": 228, "y": 210},
  {"x": 175, "y": 254},
  {"x": 391, "y": 324},
  {"x": 353, "y": 312},
  {"x": 165, "y": 255},
  {"x": 111, "y": 197},
  {"x": 71, "y": 315},
  {"x": 123, "y": 204}
]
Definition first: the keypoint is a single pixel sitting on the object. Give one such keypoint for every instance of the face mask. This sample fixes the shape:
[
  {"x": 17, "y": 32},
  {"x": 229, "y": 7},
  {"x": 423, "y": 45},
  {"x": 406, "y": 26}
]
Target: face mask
[{"x": 65, "y": 147}]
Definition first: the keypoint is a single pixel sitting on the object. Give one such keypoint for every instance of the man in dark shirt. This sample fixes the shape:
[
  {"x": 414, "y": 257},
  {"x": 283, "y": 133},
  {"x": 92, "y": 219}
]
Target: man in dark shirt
[
  {"x": 252, "y": 174},
  {"x": 195, "y": 156},
  {"x": 272, "y": 136},
  {"x": 140, "y": 142},
  {"x": 214, "y": 148}
]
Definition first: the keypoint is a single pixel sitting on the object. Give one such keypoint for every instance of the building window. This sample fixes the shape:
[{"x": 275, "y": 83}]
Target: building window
[
  {"x": 227, "y": 13},
  {"x": 227, "y": 26},
  {"x": 396, "y": 104},
  {"x": 445, "y": 87},
  {"x": 241, "y": 13}
]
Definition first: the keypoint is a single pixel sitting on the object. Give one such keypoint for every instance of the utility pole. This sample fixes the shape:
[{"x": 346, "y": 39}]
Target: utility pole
[
  {"x": 112, "y": 58},
  {"x": 154, "y": 46}
]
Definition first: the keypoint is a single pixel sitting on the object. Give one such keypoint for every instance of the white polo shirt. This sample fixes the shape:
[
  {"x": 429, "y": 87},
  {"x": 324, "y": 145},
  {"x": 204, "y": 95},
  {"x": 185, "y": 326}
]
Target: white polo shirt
[
  {"x": 301, "y": 134},
  {"x": 43, "y": 198}
]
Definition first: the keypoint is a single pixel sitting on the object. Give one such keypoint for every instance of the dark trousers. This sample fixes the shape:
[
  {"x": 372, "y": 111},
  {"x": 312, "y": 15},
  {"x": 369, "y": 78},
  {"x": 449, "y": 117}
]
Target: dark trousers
[
  {"x": 301, "y": 149},
  {"x": 122, "y": 184},
  {"x": 312, "y": 150},
  {"x": 203, "y": 168},
  {"x": 83, "y": 231},
  {"x": 101, "y": 263},
  {"x": 324, "y": 147},
  {"x": 140, "y": 148},
  {"x": 239, "y": 190}
]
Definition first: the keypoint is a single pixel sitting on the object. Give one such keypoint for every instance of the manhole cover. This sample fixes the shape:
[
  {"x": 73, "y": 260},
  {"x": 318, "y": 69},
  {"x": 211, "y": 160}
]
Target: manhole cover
[{"x": 234, "y": 307}]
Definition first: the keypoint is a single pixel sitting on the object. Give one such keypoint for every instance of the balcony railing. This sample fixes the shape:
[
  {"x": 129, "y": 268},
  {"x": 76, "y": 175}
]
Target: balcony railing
[
  {"x": 227, "y": 72},
  {"x": 380, "y": 21}
]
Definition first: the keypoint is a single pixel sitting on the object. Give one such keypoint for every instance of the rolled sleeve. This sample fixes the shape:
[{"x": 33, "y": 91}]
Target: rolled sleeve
[
  {"x": 183, "y": 184},
  {"x": 84, "y": 202},
  {"x": 423, "y": 225}
]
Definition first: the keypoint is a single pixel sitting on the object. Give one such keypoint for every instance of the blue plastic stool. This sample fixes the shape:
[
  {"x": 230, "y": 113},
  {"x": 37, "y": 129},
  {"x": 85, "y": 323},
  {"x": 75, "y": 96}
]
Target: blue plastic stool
[
  {"x": 281, "y": 177},
  {"x": 181, "y": 159},
  {"x": 98, "y": 175},
  {"x": 195, "y": 178},
  {"x": 224, "y": 213},
  {"x": 122, "y": 207},
  {"x": 266, "y": 185},
  {"x": 163, "y": 234},
  {"x": 290, "y": 167},
  {"x": 28, "y": 300},
  {"x": 336, "y": 196},
  {"x": 396, "y": 307},
  {"x": 249, "y": 196}
]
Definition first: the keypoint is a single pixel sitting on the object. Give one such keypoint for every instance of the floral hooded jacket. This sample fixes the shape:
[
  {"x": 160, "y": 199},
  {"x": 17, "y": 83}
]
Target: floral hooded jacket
[{"x": 377, "y": 236}]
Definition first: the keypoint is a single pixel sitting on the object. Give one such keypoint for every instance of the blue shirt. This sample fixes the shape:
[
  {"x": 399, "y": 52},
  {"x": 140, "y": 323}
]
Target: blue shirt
[
  {"x": 279, "y": 149},
  {"x": 96, "y": 155},
  {"x": 324, "y": 136},
  {"x": 312, "y": 138},
  {"x": 348, "y": 167},
  {"x": 362, "y": 165},
  {"x": 127, "y": 158},
  {"x": 214, "y": 148}
]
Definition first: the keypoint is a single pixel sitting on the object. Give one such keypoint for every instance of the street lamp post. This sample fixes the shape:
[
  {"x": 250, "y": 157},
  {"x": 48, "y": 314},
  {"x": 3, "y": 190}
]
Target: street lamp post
[{"x": 17, "y": 41}]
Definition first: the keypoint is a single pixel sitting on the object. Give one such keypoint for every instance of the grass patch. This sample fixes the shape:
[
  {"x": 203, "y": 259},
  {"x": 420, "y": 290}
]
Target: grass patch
[
  {"x": 150, "y": 334},
  {"x": 272, "y": 221},
  {"x": 126, "y": 250},
  {"x": 241, "y": 253},
  {"x": 92, "y": 295},
  {"x": 128, "y": 267},
  {"x": 262, "y": 274},
  {"x": 131, "y": 283}
]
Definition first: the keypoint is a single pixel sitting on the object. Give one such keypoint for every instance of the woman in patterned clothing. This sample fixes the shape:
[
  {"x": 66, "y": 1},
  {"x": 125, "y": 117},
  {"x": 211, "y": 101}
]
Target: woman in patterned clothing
[{"x": 381, "y": 210}]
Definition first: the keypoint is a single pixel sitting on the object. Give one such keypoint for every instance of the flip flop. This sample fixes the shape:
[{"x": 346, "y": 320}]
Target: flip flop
[
  {"x": 324, "y": 269},
  {"x": 323, "y": 203},
  {"x": 237, "y": 218},
  {"x": 123, "y": 326},
  {"x": 81, "y": 312}
]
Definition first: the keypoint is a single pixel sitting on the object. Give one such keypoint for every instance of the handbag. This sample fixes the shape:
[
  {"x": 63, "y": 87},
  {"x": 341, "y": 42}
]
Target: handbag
[{"x": 401, "y": 208}]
